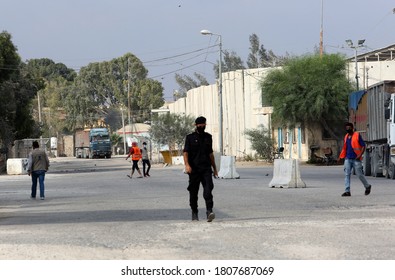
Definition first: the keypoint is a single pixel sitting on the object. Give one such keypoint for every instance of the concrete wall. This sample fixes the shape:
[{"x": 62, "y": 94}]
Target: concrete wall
[{"x": 241, "y": 97}]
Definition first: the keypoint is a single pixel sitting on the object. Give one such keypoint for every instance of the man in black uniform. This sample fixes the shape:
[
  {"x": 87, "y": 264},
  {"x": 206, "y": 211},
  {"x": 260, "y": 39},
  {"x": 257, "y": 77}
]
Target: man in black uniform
[{"x": 198, "y": 159}]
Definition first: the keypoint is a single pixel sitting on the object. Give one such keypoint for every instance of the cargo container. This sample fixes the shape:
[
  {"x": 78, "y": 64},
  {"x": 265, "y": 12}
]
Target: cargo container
[
  {"x": 372, "y": 113},
  {"x": 81, "y": 144}
]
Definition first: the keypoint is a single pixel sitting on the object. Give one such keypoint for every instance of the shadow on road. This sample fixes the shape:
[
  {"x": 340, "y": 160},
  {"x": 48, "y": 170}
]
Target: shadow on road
[{"x": 102, "y": 216}]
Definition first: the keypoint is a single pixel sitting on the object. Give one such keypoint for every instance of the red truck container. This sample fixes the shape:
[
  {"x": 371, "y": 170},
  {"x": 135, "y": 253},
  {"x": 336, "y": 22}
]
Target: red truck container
[{"x": 81, "y": 144}]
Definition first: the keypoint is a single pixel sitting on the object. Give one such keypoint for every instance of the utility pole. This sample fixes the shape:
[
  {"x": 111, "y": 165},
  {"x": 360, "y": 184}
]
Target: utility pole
[
  {"x": 220, "y": 109},
  {"x": 322, "y": 29},
  {"x": 129, "y": 122},
  {"x": 39, "y": 108},
  {"x": 351, "y": 45},
  {"x": 124, "y": 132}
]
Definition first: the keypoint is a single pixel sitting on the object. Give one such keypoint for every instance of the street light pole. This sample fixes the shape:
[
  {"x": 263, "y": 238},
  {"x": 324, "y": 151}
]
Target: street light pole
[
  {"x": 220, "y": 121},
  {"x": 124, "y": 132},
  {"x": 351, "y": 45},
  {"x": 129, "y": 122},
  {"x": 356, "y": 68}
]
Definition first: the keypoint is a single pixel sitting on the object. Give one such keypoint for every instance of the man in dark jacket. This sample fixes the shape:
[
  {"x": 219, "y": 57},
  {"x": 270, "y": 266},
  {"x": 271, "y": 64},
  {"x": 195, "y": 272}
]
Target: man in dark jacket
[
  {"x": 198, "y": 159},
  {"x": 37, "y": 166}
]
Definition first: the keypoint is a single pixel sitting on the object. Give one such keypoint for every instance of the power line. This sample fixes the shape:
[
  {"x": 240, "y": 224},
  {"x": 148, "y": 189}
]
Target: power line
[
  {"x": 178, "y": 55},
  {"x": 199, "y": 52},
  {"x": 171, "y": 72},
  {"x": 179, "y": 62}
]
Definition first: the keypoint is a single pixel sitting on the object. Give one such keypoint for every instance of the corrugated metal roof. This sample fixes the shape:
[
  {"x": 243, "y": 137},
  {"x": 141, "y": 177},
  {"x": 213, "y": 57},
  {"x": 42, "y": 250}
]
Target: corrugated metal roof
[{"x": 383, "y": 54}]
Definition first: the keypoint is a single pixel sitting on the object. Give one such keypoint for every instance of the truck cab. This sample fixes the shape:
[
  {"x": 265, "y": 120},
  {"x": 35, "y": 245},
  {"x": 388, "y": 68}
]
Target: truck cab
[
  {"x": 389, "y": 160},
  {"x": 99, "y": 143}
]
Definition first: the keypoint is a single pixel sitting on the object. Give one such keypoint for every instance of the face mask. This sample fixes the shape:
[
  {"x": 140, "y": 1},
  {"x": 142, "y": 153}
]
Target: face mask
[
  {"x": 200, "y": 129},
  {"x": 349, "y": 130}
]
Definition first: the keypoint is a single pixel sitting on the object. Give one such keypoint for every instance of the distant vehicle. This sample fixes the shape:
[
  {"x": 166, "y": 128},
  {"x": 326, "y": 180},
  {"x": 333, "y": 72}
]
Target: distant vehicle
[
  {"x": 373, "y": 115},
  {"x": 92, "y": 143}
]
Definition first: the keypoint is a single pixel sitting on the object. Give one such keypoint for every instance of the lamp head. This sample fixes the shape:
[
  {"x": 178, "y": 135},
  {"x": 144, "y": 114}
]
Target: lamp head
[
  {"x": 360, "y": 42},
  {"x": 206, "y": 32},
  {"x": 349, "y": 43}
]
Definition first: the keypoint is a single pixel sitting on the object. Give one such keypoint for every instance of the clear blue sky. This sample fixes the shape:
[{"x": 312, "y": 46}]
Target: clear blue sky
[{"x": 158, "y": 32}]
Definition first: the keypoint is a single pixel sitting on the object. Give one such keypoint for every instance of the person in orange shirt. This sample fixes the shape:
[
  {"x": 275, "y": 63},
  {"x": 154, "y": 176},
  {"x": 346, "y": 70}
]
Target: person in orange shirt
[
  {"x": 135, "y": 152},
  {"x": 352, "y": 152}
]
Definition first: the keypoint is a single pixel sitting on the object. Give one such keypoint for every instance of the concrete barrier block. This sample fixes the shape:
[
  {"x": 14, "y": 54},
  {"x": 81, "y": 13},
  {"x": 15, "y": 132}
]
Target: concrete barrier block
[
  {"x": 228, "y": 168},
  {"x": 286, "y": 174},
  {"x": 17, "y": 166},
  {"x": 179, "y": 160}
]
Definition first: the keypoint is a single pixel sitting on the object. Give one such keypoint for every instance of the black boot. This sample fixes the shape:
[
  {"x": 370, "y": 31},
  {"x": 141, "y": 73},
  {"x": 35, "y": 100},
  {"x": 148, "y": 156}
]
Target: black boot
[{"x": 195, "y": 216}]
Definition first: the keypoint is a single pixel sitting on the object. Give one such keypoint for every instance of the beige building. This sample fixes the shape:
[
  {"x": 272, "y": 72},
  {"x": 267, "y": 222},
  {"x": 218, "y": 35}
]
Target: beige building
[{"x": 373, "y": 67}]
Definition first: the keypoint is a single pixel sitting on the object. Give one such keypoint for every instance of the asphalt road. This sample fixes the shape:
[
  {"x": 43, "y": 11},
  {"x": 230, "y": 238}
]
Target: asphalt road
[{"x": 94, "y": 211}]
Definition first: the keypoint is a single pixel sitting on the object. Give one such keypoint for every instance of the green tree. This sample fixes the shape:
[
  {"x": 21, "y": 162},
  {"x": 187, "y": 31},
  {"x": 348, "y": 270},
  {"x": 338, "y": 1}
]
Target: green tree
[
  {"x": 309, "y": 89},
  {"x": 253, "y": 56},
  {"x": 171, "y": 129},
  {"x": 115, "y": 141},
  {"x": 260, "y": 57},
  {"x": 150, "y": 95},
  {"x": 230, "y": 62},
  {"x": 261, "y": 142},
  {"x": 186, "y": 83},
  {"x": 111, "y": 84},
  {"x": 49, "y": 70},
  {"x": 17, "y": 89},
  {"x": 9, "y": 58},
  {"x": 54, "y": 77}
]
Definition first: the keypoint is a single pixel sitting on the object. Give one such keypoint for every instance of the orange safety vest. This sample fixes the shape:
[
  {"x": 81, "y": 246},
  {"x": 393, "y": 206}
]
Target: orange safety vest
[
  {"x": 136, "y": 153},
  {"x": 354, "y": 144}
]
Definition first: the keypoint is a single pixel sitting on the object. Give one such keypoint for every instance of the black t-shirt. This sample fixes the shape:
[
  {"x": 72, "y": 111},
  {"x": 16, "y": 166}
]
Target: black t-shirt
[{"x": 199, "y": 147}]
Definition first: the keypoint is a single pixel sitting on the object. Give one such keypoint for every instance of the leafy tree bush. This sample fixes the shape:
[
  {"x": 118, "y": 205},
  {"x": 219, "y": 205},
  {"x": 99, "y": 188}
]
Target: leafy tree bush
[
  {"x": 171, "y": 129},
  {"x": 261, "y": 142},
  {"x": 309, "y": 89},
  {"x": 17, "y": 89}
]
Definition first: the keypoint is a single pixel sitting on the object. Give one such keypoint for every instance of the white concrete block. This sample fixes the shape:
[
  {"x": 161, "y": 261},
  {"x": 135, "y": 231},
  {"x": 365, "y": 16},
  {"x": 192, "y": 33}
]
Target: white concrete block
[
  {"x": 17, "y": 166},
  {"x": 286, "y": 174},
  {"x": 228, "y": 168},
  {"x": 177, "y": 160}
]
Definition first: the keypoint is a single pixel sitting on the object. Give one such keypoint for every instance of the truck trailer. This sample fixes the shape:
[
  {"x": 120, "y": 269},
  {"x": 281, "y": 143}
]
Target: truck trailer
[
  {"x": 92, "y": 143},
  {"x": 372, "y": 113}
]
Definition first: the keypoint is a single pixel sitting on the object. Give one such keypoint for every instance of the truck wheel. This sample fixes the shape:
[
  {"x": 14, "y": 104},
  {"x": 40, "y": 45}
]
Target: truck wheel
[
  {"x": 366, "y": 164},
  {"x": 374, "y": 171},
  {"x": 375, "y": 166}
]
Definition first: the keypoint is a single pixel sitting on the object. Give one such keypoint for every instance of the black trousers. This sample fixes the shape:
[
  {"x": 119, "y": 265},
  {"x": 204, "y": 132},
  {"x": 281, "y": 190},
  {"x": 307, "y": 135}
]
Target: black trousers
[
  {"x": 204, "y": 177},
  {"x": 146, "y": 162},
  {"x": 135, "y": 165}
]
